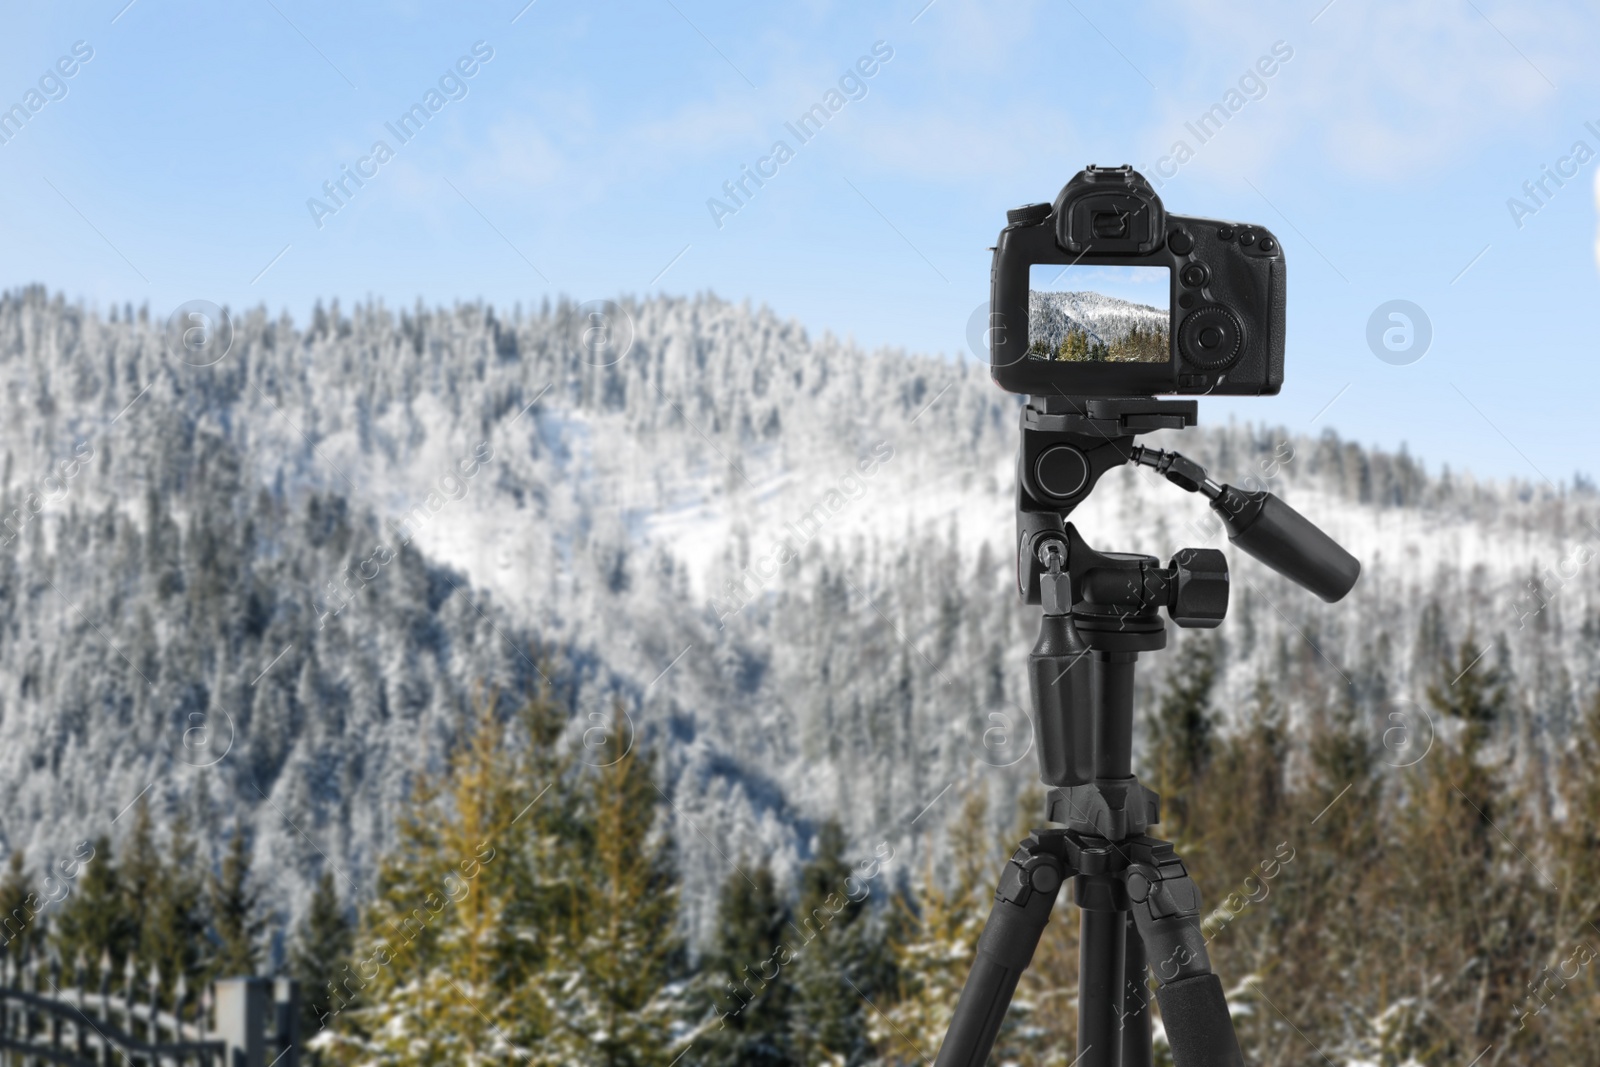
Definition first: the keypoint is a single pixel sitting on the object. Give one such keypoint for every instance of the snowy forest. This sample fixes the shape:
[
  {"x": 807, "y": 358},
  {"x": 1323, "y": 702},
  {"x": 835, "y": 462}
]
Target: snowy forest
[
  {"x": 1094, "y": 327},
  {"x": 665, "y": 703}
]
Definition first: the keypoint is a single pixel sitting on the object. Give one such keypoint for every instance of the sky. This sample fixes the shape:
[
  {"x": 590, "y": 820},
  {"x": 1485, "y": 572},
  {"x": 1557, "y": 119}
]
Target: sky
[{"x": 1431, "y": 152}]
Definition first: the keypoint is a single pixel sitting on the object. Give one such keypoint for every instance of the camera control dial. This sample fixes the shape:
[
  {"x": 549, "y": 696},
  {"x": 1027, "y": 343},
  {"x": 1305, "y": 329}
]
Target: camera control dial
[{"x": 1210, "y": 337}]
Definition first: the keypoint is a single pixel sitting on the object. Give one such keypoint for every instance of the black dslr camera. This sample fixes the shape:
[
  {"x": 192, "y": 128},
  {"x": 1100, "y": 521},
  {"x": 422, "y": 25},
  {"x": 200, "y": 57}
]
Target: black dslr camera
[{"x": 1104, "y": 294}]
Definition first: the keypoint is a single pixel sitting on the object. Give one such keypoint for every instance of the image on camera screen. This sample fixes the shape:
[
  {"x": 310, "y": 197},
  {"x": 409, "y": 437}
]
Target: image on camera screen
[{"x": 1082, "y": 313}]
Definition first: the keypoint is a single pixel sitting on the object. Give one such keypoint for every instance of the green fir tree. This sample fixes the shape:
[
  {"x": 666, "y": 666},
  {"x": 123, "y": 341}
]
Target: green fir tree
[
  {"x": 1471, "y": 689},
  {"x": 321, "y": 950},
  {"x": 173, "y": 933},
  {"x": 433, "y": 977},
  {"x": 741, "y": 975},
  {"x": 834, "y": 970},
  {"x": 1074, "y": 346},
  {"x": 95, "y": 919},
  {"x": 21, "y": 910},
  {"x": 610, "y": 988},
  {"x": 1184, "y": 722},
  {"x": 142, "y": 881},
  {"x": 234, "y": 911}
]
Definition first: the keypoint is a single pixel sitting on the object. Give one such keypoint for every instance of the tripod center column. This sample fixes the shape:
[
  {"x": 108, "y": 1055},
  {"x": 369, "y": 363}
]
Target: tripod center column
[
  {"x": 1102, "y": 963},
  {"x": 1113, "y": 703}
]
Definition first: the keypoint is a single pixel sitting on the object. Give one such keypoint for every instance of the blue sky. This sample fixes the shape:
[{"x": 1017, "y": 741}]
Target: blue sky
[{"x": 583, "y": 157}]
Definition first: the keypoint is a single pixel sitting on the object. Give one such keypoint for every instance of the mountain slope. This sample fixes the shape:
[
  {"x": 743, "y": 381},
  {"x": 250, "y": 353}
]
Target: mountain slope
[
  {"x": 1104, "y": 319},
  {"x": 788, "y": 559}
]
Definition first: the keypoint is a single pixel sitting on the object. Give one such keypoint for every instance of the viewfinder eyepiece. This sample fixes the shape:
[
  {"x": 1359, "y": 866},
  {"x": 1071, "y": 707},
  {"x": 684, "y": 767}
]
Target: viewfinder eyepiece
[{"x": 1111, "y": 210}]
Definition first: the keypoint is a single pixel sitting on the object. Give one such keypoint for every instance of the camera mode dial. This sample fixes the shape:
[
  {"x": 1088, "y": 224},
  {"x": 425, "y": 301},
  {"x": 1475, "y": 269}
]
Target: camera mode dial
[
  {"x": 1211, "y": 337},
  {"x": 1027, "y": 214}
]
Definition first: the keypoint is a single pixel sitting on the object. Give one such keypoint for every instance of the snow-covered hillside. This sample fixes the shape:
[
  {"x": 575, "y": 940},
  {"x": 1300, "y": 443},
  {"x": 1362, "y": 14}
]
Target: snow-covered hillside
[
  {"x": 1104, "y": 319},
  {"x": 790, "y": 559}
]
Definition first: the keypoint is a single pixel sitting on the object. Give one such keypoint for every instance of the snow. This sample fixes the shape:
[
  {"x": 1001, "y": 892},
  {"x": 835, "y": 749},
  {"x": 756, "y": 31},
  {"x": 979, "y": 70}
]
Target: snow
[{"x": 855, "y": 680}]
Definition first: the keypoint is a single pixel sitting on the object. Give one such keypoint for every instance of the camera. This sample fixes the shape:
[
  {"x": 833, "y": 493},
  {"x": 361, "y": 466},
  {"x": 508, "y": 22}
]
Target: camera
[{"x": 1104, "y": 294}]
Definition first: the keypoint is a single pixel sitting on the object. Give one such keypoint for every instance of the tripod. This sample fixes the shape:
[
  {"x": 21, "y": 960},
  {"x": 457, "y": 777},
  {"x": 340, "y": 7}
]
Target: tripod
[{"x": 1140, "y": 910}]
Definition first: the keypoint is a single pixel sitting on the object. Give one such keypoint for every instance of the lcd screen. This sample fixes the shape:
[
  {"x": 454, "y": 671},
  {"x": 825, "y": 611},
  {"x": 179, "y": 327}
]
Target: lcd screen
[{"x": 1082, "y": 313}]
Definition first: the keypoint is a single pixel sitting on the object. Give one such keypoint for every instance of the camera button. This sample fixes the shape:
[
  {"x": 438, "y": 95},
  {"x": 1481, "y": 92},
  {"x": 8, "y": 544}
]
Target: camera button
[
  {"x": 1180, "y": 242},
  {"x": 1247, "y": 237},
  {"x": 1194, "y": 275},
  {"x": 1186, "y": 300},
  {"x": 1224, "y": 233},
  {"x": 1268, "y": 245}
]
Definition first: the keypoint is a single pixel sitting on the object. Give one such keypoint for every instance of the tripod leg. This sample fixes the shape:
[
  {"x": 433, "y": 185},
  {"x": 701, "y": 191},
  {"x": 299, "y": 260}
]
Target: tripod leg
[
  {"x": 1136, "y": 1050},
  {"x": 1165, "y": 904},
  {"x": 1022, "y": 904}
]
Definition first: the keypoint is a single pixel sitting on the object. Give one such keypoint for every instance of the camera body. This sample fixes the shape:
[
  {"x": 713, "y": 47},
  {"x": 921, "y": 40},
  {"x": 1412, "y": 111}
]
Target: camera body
[{"x": 1103, "y": 294}]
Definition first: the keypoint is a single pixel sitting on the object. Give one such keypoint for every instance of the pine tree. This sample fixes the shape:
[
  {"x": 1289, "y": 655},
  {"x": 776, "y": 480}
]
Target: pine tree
[
  {"x": 321, "y": 951},
  {"x": 1125, "y": 348},
  {"x": 234, "y": 915},
  {"x": 1074, "y": 346},
  {"x": 1459, "y": 814},
  {"x": 450, "y": 949},
  {"x": 1141, "y": 344},
  {"x": 1472, "y": 691},
  {"x": 741, "y": 976},
  {"x": 1577, "y": 855},
  {"x": 141, "y": 878},
  {"x": 20, "y": 909},
  {"x": 833, "y": 972},
  {"x": 1579, "y": 839},
  {"x": 1181, "y": 738},
  {"x": 95, "y": 918},
  {"x": 173, "y": 934},
  {"x": 611, "y": 987},
  {"x": 544, "y": 886}
]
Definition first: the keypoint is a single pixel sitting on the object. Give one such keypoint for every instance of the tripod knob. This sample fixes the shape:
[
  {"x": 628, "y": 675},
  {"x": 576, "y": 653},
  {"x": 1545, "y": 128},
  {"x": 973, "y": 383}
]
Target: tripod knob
[
  {"x": 1043, "y": 873},
  {"x": 1198, "y": 590}
]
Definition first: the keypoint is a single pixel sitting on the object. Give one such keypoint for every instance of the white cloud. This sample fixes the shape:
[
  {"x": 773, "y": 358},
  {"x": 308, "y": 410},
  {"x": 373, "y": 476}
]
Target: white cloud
[{"x": 1385, "y": 89}]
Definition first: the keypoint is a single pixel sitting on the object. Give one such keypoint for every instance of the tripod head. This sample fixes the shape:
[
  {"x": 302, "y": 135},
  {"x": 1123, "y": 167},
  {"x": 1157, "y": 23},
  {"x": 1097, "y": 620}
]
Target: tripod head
[
  {"x": 1069, "y": 442},
  {"x": 1101, "y": 609}
]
